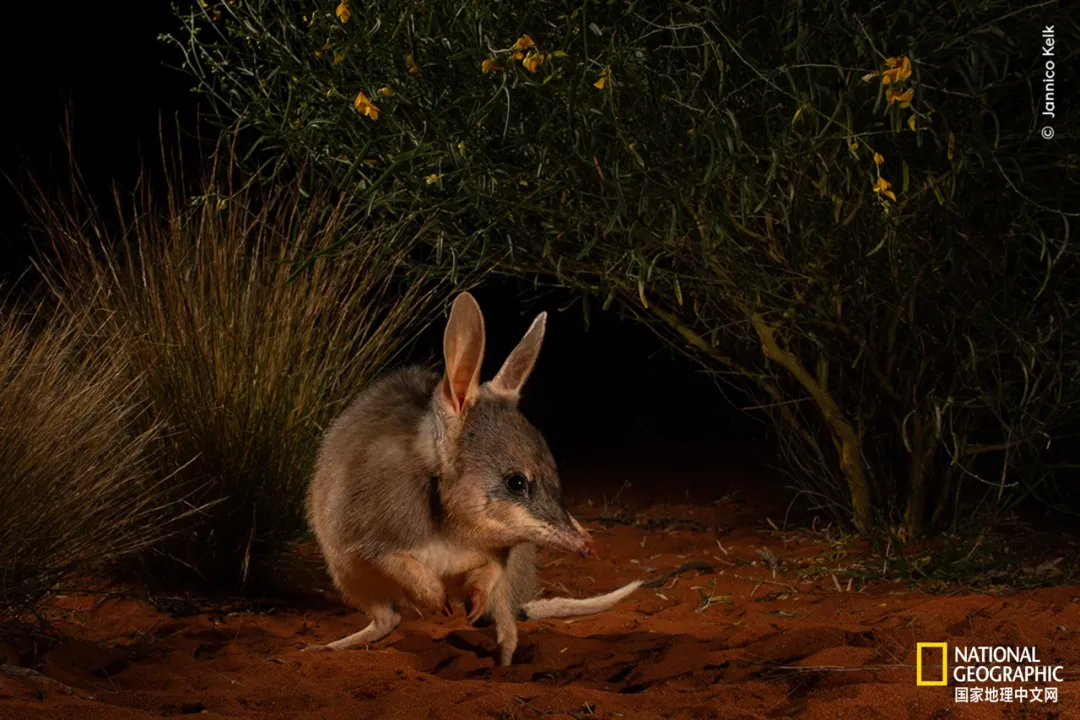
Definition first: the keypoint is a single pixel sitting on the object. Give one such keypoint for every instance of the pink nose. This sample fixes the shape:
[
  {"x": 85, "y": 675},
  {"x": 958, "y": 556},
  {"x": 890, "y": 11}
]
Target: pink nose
[{"x": 587, "y": 549}]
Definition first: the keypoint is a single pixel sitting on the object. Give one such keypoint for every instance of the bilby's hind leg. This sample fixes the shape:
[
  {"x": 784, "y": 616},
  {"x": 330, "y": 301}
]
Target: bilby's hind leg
[
  {"x": 384, "y": 619},
  {"x": 363, "y": 587}
]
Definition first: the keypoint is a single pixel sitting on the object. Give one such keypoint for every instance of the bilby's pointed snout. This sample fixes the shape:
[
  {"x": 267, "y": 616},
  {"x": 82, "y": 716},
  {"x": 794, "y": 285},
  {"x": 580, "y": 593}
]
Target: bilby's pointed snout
[
  {"x": 579, "y": 539},
  {"x": 546, "y": 521}
]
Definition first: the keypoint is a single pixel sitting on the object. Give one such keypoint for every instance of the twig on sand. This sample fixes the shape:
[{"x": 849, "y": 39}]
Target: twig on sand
[
  {"x": 759, "y": 582},
  {"x": 802, "y": 669},
  {"x": 527, "y": 702}
]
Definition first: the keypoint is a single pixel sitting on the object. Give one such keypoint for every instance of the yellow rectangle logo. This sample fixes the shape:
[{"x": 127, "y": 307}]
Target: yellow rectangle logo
[{"x": 919, "y": 647}]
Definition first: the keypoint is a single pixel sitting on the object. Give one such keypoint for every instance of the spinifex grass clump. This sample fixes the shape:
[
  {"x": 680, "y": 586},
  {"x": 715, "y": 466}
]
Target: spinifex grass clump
[
  {"x": 849, "y": 210},
  {"x": 76, "y": 481},
  {"x": 243, "y": 364}
]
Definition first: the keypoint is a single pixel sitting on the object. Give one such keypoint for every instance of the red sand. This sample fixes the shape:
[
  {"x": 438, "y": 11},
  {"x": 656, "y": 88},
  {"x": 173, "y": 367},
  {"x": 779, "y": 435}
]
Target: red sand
[{"x": 766, "y": 647}]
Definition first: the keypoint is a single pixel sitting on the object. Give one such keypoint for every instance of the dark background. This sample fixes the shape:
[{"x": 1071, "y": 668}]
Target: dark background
[
  {"x": 614, "y": 389},
  {"x": 104, "y": 62}
]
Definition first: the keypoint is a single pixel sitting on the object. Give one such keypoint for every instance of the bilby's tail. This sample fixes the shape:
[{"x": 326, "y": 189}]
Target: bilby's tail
[{"x": 576, "y": 607}]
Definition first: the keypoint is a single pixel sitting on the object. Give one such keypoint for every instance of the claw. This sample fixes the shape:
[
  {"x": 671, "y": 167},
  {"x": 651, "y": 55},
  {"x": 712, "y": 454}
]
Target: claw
[
  {"x": 448, "y": 609},
  {"x": 477, "y": 604}
]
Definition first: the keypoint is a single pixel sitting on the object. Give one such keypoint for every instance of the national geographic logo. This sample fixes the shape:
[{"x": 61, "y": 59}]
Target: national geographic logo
[{"x": 1010, "y": 672}]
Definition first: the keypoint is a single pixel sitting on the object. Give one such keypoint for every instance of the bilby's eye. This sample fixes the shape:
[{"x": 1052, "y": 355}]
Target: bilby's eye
[{"x": 516, "y": 483}]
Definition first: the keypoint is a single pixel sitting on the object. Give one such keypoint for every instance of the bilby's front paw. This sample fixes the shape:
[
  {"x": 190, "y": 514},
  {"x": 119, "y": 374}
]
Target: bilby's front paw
[
  {"x": 476, "y": 602},
  {"x": 485, "y": 620},
  {"x": 436, "y": 600}
]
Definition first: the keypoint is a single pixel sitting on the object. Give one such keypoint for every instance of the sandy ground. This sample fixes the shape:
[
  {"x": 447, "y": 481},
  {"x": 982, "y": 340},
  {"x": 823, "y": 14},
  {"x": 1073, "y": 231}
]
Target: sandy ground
[{"x": 739, "y": 642}]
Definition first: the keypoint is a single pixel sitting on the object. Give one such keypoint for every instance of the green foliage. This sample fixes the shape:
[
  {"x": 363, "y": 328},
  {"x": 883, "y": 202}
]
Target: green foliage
[
  {"x": 76, "y": 487},
  {"x": 242, "y": 364},
  {"x": 710, "y": 168}
]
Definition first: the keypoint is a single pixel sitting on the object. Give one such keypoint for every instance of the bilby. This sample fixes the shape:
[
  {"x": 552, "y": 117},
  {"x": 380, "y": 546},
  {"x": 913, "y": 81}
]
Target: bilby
[{"x": 432, "y": 487}]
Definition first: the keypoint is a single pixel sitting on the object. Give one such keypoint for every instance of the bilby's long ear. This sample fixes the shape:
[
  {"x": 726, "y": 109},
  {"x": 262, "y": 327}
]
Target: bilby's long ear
[
  {"x": 515, "y": 371},
  {"x": 463, "y": 350}
]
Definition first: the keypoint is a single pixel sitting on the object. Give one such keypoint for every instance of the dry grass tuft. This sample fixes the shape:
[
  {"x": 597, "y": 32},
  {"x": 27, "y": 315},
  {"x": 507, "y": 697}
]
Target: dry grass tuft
[{"x": 76, "y": 481}]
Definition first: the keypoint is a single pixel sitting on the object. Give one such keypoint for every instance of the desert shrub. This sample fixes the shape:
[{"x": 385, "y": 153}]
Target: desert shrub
[
  {"x": 76, "y": 486},
  {"x": 845, "y": 208},
  {"x": 244, "y": 360}
]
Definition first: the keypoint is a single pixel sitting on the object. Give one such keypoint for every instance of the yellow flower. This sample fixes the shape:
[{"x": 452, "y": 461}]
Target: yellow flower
[
  {"x": 599, "y": 84},
  {"x": 413, "y": 67},
  {"x": 364, "y": 106},
  {"x": 904, "y": 98},
  {"x": 523, "y": 43},
  {"x": 490, "y": 65},
  {"x": 342, "y": 12},
  {"x": 911, "y": 123},
  {"x": 518, "y": 55},
  {"x": 384, "y": 92},
  {"x": 432, "y": 178},
  {"x": 318, "y": 53},
  {"x": 899, "y": 70},
  {"x": 882, "y": 187},
  {"x": 878, "y": 159},
  {"x": 533, "y": 61}
]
